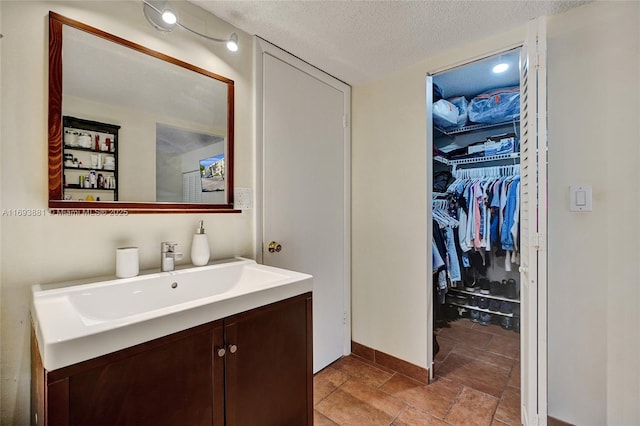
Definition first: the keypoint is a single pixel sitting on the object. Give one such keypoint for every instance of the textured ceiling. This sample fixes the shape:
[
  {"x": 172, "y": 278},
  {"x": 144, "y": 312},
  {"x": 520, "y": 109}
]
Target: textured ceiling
[{"x": 356, "y": 41}]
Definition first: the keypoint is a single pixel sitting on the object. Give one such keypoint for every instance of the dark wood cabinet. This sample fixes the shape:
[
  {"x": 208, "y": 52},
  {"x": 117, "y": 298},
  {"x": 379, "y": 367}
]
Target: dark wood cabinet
[
  {"x": 270, "y": 374},
  {"x": 253, "y": 368}
]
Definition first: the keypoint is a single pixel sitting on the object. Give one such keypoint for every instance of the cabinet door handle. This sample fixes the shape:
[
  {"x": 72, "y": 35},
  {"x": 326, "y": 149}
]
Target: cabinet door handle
[
  {"x": 221, "y": 352},
  {"x": 233, "y": 349}
]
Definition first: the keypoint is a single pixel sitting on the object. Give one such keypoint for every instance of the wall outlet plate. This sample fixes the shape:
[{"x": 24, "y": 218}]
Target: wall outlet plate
[{"x": 242, "y": 198}]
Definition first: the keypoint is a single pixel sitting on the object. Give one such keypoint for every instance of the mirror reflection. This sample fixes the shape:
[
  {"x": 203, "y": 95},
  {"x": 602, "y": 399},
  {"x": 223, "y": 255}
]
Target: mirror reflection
[
  {"x": 144, "y": 130},
  {"x": 189, "y": 166}
]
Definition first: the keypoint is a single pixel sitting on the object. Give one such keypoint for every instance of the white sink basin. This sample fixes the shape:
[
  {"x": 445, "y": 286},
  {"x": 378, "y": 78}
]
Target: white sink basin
[{"x": 78, "y": 321}]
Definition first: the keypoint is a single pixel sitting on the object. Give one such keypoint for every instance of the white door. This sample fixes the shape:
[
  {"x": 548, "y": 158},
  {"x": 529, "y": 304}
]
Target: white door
[
  {"x": 533, "y": 225},
  {"x": 305, "y": 187}
]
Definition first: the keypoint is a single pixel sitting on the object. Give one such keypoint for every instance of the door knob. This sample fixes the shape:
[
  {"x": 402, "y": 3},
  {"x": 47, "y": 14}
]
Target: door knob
[
  {"x": 221, "y": 352},
  {"x": 274, "y": 247},
  {"x": 233, "y": 349}
]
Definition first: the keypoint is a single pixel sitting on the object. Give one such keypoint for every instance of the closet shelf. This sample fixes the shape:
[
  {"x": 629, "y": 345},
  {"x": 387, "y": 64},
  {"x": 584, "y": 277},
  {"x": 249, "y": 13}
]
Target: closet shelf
[
  {"x": 474, "y": 127},
  {"x": 488, "y": 296},
  {"x": 515, "y": 155},
  {"x": 75, "y": 186},
  {"x": 475, "y": 308}
]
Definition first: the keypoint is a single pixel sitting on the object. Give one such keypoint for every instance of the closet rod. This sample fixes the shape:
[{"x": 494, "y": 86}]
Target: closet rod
[
  {"x": 514, "y": 156},
  {"x": 494, "y": 171}
]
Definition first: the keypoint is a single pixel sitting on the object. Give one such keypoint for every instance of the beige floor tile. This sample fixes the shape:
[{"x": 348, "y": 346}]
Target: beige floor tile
[
  {"x": 356, "y": 404},
  {"x": 472, "y": 408},
  {"x": 320, "y": 419},
  {"x": 435, "y": 398},
  {"x": 327, "y": 381},
  {"x": 506, "y": 346},
  {"x": 463, "y": 322},
  {"x": 484, "y": 356},
  {"x": 468, "y": 336},
  {"x": 496, "y": 329},
  {"x": 362, "y": 371},
  {"x": 446, "y": 345},
  {"x": 509, "y": 407},
  {"x": 514, "y": 378},
  {"x": 353, "y": 392},
  {"x": 414, "y": 417},
  {"x": 475, "y": 374}
]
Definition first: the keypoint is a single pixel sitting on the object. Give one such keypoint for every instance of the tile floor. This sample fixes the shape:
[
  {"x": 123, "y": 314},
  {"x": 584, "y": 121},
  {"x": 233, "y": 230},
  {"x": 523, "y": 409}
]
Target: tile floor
[{"x": 477, "y": 383}]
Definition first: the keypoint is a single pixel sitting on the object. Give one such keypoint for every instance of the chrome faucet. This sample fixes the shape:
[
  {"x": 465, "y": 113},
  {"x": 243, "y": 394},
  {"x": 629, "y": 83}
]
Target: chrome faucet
[{"x": 168, "y": 256}]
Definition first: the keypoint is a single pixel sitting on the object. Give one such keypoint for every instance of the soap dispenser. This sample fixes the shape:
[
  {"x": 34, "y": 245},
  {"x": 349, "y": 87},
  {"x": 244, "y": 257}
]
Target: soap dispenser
[{"x": 200, "y": 247}]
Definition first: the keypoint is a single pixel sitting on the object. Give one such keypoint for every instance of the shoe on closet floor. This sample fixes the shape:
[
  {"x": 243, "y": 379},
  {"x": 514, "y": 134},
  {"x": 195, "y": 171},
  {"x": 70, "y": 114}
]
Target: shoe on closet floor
[
  {"x": 485, "y": 318},
  {"x": 461, "y": 299},
  {"x": 485, "y": 286},
  {"x": 506, "y": 323},
  {"x": 483, "y": 303},
  {"x": 470, "y": 285},
  {"x": 474, "y": 315},
  {"x": 505, "y": 307},
  {"x": 511, "y": 290},
  {"x": 516, "y": 324},
  {"x": 451, "y": 312},
  {"x": 494, "y": 305},
  {"x": 496, "y": 288},
  {"x": 516, "y": 309}
]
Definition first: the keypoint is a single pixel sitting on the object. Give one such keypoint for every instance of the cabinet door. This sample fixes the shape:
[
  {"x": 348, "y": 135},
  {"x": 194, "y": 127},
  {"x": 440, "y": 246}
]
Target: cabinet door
[
  {"x": 269, "y": 365},
  {"x": 177, "y": 383}
]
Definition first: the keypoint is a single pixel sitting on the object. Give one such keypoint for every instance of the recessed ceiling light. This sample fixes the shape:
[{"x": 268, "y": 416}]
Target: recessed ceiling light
[
  {"x": 169, "y": 17},
  {"x": 501, "y": 67}
]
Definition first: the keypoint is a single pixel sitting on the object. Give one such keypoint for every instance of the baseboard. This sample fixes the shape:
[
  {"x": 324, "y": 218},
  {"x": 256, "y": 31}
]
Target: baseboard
[{"x": 390, "y": 362}]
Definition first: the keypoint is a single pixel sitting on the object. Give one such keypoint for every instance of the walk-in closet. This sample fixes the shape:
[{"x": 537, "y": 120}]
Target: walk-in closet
[{"x": 475, "y": 195}]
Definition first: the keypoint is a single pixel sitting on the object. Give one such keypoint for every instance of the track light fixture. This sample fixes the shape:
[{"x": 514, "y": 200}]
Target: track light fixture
[{"x": 163, "y": 17}]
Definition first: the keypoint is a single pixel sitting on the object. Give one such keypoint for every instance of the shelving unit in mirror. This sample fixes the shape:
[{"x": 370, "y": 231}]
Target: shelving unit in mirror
[{"x": 90, "y": 160}]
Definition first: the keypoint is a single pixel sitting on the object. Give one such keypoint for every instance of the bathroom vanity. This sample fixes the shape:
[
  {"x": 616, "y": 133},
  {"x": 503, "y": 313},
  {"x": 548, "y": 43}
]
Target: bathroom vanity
[{"x": 251, "y": 367}]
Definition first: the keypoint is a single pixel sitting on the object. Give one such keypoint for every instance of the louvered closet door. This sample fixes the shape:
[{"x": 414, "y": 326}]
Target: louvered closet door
[{"x": 533, "y": 224}]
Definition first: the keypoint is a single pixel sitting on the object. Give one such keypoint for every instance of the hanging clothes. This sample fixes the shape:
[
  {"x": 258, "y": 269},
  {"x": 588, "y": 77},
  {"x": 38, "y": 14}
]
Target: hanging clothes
[
  {"x": 445, "y": 247},
  {"x": 478, "y": 218},
  {"x": 490, "y": 219}
]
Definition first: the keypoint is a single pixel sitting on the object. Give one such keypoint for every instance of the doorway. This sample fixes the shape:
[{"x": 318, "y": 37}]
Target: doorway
[
  {"x": 532, "y": 203},
  {"x": 476, "y": 171}
]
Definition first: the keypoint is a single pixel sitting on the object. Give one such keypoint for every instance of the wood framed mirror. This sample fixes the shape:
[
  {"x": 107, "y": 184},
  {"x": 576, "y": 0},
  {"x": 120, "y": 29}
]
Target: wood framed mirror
[{"x": 132, "y": 129}]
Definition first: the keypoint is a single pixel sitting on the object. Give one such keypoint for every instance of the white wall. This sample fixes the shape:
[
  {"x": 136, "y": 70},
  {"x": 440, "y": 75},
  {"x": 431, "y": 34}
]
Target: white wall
[
  {"x": 594, "y": 324},
  {"x": 49, "y": 249},
  {"x": 594, "y": 259}
]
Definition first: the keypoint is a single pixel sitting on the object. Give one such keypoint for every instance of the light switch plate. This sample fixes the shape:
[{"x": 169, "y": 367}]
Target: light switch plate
[
  {"x": 580, "y": 198},
  {"x": 242, "y": 198}
]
